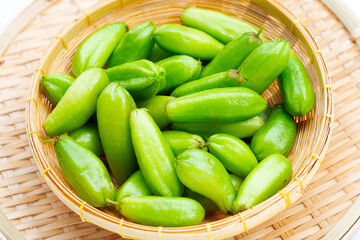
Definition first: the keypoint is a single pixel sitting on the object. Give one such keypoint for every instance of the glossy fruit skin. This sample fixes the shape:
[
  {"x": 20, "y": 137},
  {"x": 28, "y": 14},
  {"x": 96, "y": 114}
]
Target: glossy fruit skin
[
  {"x": 96, "y": 49},
  {"x": 216, "y": 105},
  {"x": 179, "y": 70},
  {"x": 134, "y": 186},
  {"x": 182, "y": 141},
  {"x": 78, "y": 104},
  {"x": 268, "y": 177},
  {"x": 296, "y": 90},
  {"x": 265, "y": 64},
  {"x": 209, "y": 205},
  {"x": 162, "y": 211},
  {"x": 241, "y": 129},
  {"x": 276, "y": 136},
  {"x": 179, "y": 39},
  {"x": 88, "y": 136},
  {"x": 85, "y": 172},
  {"x": 230, "y": 78},
  {"x": 142, "y": 79},
  {"x": 55, "y": 85},
  {"x": 236, "y": 181},
  {"x": 154, "y": 155},
  {"x": 135, "y": 45},
  {"x": 156, "y": 108},
  {"x": 219, "y": 25},
  {"x": 233, "y": 153},
  {"x": 233, "y": 54},
  {"x": 158, "y": 54},
  {"x": 113, "y": 109},
  {"x": 203, "y": 173}
]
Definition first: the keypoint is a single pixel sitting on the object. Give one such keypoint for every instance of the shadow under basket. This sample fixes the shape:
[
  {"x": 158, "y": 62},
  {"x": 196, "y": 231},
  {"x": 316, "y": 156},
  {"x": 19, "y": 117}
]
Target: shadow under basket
[{"x": 313, "y": 129}]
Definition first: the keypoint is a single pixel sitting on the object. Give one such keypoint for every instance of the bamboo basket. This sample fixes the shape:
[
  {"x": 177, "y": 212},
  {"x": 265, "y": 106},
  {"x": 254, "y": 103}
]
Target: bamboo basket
[{"x": 311, "y": 142}]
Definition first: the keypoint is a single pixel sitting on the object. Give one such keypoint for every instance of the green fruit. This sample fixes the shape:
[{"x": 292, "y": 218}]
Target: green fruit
[
  {"x": 55, "y": 85},
  {"x": 162, "y": 211},
  {"x": 88, "y": 136},
  {"x": 276, "y": 136},
  {"x": 85, "y": 172},
  {"x": 221, "y": 26},
  {"x": 113, "y": 109},
  {"x": 179, "y": 70},
  {"x": 233, "y": 54},
  {"x": 209, "y": 205},
  {"x": 154, "y": 155},
  {"x": 264, "y": 65},
  {"x": 95, "y": 50},
  {"x": 216, "y": 105},
  {"x": 296, "y": 90},
  {"x": 182, "y": 141},
  {"x": 134, "y": 186},
  {"x": 230, "y": 78},
  {"x": 236, "y": 182},
  {"x": 158, "y": 54},
  {"x": 156, "y": 108},
  {"x": 268, "y": 177},
  {"x": 135, "y": 45},
  {"x": 78, "y": 104},
  {"x": 241, "y": 129},
  {"x": 233, "y": 153},
  {"x": 203, "y": 173},
  {"x": 178, "y": 39},
  {"x": 142, "y": 79}
]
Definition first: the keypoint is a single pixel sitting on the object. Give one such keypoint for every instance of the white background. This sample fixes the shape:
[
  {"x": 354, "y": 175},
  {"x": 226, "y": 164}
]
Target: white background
[{"x": 10, "y": 9}]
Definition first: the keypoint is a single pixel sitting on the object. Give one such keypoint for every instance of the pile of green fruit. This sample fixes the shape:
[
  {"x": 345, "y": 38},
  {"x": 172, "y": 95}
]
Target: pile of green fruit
[{"x": 173, "y": 177}]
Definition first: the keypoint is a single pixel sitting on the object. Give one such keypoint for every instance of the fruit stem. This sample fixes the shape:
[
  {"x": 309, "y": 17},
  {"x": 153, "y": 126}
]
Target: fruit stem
[
  {"x": 260, "y": 30},
  {"x": 112, "y": 202},
  {"x": 49, "y": 140}
]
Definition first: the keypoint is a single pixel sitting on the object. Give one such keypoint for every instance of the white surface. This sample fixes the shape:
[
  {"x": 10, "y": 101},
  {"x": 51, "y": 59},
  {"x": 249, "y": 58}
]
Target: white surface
[{"x": 10, "y": 9}]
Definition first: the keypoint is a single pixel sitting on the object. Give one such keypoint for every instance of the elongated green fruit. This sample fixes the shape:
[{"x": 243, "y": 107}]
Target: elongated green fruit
[
  {"x": 230, "y": 78},
  {"x": 85, "y": 172},
  {"x": 233, "y": 54},
  {"x": 277, "y": 135},
  {"x": 134, "y": 186},
  {"x": 296, "y": 90},
  {"x": 55, "y": 85},
  {"x": 113, "y": 110},
  {"x": 143, "y": 79},
  {"x": 203, "y": 173},
  {"x": 158, "y": 54},
  {"x": 154, "y": 155},
  {"x": 265, "y": 64},
  {"x": 162, "y": 211},
  {"x": 221, "y": 26},
  {"x": 178, "y": 39},
  {"x": 179, "y": 69},
  {"x": 268, "y": 177},
  {"x": 95, "y": 50},
  {"x": 156, "y": 108},
  {"x": 78, "y": 103},
  {"x": 236, "y": 181},
  {"x": 216, "y": 105},
  {"x": 182, "y": 141},
  {"x": 233, "y": 153},
  {"x": 242, "y": 129},
  {"x": 209, "y": 205},
  {"x": 88, "y": 136},
  {"x": 135, "y": 45}
]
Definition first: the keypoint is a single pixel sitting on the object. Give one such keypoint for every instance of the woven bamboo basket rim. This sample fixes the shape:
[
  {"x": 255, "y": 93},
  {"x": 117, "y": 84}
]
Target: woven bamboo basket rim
[{"x": 239, "y": 223}]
